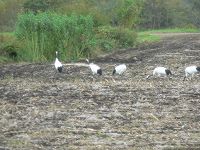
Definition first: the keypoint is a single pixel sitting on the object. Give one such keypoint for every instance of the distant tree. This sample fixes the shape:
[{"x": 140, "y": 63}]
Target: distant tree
[
  {"x": 41, "y": 5},
  {"x": 107, "y": 12},
  {"x": 98, "y": 9},
  {"x": 35, "y": 5},
  {"x": 193, "y": 11},
  {"x": 161, "y": 14},
  {"x": 154, "y": 14},
  {"x": 127, "y": 12},
  {"x": 9, "y": 10},
  {"x": 195, "y": 4}
]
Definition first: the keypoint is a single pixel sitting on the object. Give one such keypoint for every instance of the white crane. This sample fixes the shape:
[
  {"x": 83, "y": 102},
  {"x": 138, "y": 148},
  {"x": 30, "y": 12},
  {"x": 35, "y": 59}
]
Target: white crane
[
  {"x": 191, "y": 70},
  {"x": 120, "y": 69},
  {"x": 58, "y": 64},
  {"x": 160, "y": 71},
  {"x": 94, "y": 68}
]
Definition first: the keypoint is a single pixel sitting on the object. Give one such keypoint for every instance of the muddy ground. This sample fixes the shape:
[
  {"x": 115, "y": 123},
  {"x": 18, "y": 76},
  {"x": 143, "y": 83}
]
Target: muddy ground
[{"x": 76, "y": 110}]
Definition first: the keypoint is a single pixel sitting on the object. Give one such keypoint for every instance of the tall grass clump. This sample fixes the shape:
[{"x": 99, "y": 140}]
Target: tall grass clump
[{"x": 44, "y": 33}]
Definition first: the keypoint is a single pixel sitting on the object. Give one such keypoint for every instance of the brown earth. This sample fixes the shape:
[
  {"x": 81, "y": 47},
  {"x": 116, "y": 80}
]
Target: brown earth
[{"x": 74, "y": 110}]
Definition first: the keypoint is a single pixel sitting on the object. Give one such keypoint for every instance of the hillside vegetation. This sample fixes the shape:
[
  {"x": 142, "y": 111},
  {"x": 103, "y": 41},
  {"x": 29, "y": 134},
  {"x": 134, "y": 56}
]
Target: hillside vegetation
[{"x": 86, "y": 28}]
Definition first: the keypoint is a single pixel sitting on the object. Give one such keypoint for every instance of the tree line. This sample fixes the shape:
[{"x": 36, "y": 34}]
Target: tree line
[{"x": 140, "y": 14}]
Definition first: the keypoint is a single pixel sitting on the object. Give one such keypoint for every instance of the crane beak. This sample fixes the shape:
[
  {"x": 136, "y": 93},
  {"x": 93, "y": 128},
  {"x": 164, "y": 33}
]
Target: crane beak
[
  {"x": 87, "y": 60},
  {"x": 147, "y": 77}
]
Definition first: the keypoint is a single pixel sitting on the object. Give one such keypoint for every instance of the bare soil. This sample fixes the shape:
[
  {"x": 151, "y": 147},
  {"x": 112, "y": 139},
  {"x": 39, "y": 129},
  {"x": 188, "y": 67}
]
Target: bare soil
[{"x": 41, "y": 109}]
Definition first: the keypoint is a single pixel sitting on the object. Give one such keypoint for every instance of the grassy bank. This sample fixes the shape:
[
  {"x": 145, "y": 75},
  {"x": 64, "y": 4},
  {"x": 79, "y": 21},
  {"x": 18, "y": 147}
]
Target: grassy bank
[
  {"x": 175, "y": 30},
  {"x": 150, "y": 36}
]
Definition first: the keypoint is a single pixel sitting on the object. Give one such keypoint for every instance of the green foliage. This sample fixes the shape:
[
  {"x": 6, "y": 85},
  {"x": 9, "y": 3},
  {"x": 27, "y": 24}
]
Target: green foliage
[
  {"x": 4, "y": 59},
  {"x": 73, "y": 35},
  {"x": 115, "y": 37},
  {"x": 128, "y": 13},
  {"x": 155, "y": 14},
  {"x": 158, "y": 14},
  {"x": 40, "y": 5},
  {"x": 8, "y": 47},
  {"x": 193, "y": 13},
  {"x": 35, "y": 5},
  {"x": 144, "y": 37},
  {"x": 44, "y": 33},
  {"x": 87, "y": 7},
  {"x": 8, "y": 14},
  {"x": 189, "y": 29},
  {"x": 107, "y": 12},
  {"x": 151, "y": 36}
]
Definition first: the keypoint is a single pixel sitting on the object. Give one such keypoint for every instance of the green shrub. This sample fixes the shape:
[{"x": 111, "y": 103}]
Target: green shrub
[
  {"x": 115, "y": 37},
  {"x": 44, "y": 33},
  {"x": 8, "y": 47},
  {"x": 188, "y": 26}
]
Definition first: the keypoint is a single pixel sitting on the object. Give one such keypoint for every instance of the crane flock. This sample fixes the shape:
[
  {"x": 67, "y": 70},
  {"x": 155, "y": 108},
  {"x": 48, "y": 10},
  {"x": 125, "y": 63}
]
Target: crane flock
[{"x": 121, "y": 68}]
